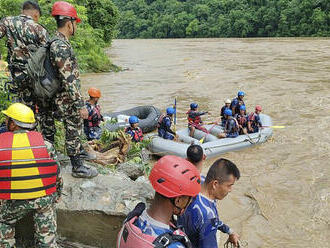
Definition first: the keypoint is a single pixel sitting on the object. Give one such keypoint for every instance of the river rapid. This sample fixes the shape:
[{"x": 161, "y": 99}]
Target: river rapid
[{"x": 283, "y": 196}]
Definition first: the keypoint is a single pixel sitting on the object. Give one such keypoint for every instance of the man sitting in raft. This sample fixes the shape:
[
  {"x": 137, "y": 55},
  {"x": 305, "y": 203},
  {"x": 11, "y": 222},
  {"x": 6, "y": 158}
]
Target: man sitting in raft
[
  {"x": 231, "y": 126},
  {"x": 164, "y": 125},
  {"x": 222, "y": 113},
  {"x": 176, "y": 181},
  {"x": 134, "y": 130},
  {"x": 92, "y": 124},
  {"x": 242, "y": 120},
  {"x": 201, "y": 219},
  {"x": 254, "y": 121},
  {"x": 194, "y": 119},
  {"x": 237, "y": 102}
]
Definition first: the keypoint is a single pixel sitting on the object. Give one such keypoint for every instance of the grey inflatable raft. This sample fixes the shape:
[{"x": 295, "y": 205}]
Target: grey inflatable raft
[
  {"x": 148, "y": 116},
  {"x": 212, "y": 146}
]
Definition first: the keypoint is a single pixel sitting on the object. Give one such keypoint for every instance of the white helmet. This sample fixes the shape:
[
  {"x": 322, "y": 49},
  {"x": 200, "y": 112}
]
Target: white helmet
[{"x": 228, "y": 101}]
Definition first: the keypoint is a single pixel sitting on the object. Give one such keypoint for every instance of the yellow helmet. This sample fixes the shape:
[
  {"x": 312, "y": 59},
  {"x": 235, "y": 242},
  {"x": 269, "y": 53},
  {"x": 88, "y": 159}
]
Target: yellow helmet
[{"x": 21, "y": 114}]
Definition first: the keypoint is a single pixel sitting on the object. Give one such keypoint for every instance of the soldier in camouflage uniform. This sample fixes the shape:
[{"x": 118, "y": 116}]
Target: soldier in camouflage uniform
[
  {"x": 69, "y": 104},
  {"x": 20, "y": 196},
  {"x": 24, "y": 35}
]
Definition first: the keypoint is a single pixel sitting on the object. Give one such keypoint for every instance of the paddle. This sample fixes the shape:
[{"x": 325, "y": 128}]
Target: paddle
[
  {"x": 275, "y": 126},
  {"x": 174, "y": 115}
]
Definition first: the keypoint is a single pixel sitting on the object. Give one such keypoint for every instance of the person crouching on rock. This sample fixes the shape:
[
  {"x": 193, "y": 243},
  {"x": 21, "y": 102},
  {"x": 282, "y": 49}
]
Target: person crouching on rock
[
  {"x": 164, "y": 125},
  {"x": 194, "y": 119},
  {"x": 134, "y": 131},
  {"x": 176, "y": 181},
  {"x": 231, "y": 126},
  {"x": 30, "y": 179},
  {"x": 92, "y": 124}
]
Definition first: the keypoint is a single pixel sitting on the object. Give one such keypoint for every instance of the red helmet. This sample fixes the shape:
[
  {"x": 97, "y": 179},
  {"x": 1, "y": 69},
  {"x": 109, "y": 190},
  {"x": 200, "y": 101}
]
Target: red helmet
[
  {"x": 173, "y": 176},
  {"x": 258, "y": 108},
  {"x": 94, "y": 92},
  {"x": 62, "y": 8}
]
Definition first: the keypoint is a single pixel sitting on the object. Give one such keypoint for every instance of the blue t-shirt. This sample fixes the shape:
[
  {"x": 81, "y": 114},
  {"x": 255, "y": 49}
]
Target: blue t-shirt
[
  {"x": 201, "y": 222},
  {"x": 154, "y": 228}
]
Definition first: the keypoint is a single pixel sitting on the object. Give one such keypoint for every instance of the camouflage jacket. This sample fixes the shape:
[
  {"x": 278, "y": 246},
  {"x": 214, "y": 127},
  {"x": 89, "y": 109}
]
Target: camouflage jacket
[
  {"x": 65, "y": 62},
  {"x": 23, "y": 36}
]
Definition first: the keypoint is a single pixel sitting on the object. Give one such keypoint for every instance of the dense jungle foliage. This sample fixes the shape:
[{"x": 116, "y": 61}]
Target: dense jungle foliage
[
  {"x": 95, "y": 32},
  {"x": 223, "y": 18}
]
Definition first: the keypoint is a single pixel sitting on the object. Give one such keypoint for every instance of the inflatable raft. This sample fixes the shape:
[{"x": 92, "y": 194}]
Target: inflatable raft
[
  {"x": 148, "y": 116},
  {"x": 212, "y": 146}
]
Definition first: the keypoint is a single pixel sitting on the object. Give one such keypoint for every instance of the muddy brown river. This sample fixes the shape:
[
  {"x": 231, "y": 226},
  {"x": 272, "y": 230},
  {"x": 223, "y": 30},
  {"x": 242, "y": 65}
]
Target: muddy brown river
[{"x": 283, "y": 196}]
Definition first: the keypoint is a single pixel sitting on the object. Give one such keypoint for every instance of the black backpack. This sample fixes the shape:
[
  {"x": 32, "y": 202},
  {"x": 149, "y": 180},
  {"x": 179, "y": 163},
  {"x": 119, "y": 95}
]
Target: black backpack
[{"x": 42, "y": 74}]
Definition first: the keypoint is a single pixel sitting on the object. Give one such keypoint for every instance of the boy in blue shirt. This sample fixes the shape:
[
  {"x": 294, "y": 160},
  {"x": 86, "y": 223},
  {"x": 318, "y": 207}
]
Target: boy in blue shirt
[{"x": 201, "y": 220}]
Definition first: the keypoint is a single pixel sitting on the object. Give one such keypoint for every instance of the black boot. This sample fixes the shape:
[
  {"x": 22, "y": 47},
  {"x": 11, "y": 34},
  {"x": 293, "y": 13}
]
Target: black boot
[{"x": 79, "y": 169}]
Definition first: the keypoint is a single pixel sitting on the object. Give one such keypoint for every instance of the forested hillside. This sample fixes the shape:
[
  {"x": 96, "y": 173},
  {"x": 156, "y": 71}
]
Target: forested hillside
[
  {"x": 95, "y": 32},
  {"x": 223, "y": 18}
]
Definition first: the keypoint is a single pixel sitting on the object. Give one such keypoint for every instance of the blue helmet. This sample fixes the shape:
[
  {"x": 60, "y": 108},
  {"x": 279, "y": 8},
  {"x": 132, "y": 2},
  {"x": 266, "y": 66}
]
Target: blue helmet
[
  {"x": 240, "y": 93},
  {"x": 228, "y": 112},
  {"x": 133, "y": 119},
  {"x": 170, "y": 111},
  {"x": 193, "y": 105},
  {"x": 242, "y": 107}
]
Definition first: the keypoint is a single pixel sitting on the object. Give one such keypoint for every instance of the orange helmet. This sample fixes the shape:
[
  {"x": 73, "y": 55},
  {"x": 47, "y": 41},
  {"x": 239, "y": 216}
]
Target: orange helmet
[{"x": 94, "y": 92}]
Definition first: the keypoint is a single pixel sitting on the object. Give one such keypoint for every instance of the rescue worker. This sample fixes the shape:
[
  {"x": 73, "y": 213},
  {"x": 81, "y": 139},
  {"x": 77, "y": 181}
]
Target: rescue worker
[
  {"x": 196, "y": 156},
  {"x": 164, "y": 125},
  {"x": 242, "y": 120},
  {"x": 201, "y": 220},
  {"x": 29, "y": 179},
  {"x": 92, "y": 127},
  {"x": 254, "y": 122},
  {"x": 194, "y": 119},
  {"x": 226, "y": 106},
  {"x": 68, "y": 103},
  {"x": 237, "y": 102},
  {"x": 134, "y": 131},
  {"x": 176, "y": 181},
  {"x": 24, "y": 36},
  {"x": 231, "y": 126}
]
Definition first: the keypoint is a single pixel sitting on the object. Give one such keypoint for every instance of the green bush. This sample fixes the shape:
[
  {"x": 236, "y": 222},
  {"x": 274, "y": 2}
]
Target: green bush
[{"x": 94, "y": 33}]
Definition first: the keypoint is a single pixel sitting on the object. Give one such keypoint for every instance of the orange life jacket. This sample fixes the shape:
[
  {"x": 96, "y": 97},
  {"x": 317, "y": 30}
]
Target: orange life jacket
[{"x": 26, "y": 169}]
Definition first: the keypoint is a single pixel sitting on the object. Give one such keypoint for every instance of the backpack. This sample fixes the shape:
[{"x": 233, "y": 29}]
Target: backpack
[
  {"x": 42, "y": 74},
  {"x": 131, "y": 236}
]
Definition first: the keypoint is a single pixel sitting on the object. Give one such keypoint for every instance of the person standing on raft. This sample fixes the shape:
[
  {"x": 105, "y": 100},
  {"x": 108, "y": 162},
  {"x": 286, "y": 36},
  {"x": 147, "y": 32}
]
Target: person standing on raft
[
  {"x": 237, "y": 102},
  {"x": 194, "y": 119}
]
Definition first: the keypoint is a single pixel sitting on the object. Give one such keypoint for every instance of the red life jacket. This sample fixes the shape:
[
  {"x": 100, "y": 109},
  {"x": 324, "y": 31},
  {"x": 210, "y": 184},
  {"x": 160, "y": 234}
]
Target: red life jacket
[
  {"x": 95, "y": 118},
  {"x": 130, "y": 236},
  {"x": 242, "y": 120},
  {"x": 196, "y": 120},
  {"x": 160, "y": 120},
  {"x": 26, "y": 169},
  {"x": 137, "y": 133}
]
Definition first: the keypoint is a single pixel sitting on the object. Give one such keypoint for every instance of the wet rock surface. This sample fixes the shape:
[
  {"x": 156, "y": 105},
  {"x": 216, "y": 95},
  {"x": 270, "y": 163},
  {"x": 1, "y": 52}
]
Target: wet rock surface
[{"x": 91, "y": 211}]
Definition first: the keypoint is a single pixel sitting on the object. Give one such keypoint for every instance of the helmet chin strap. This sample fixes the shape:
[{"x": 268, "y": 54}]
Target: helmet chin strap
[{"x": 74, "y": 31}]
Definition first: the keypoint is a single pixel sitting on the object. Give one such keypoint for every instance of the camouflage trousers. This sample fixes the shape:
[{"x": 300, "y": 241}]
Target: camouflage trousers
[
  {"x": 44, "y": 216},
  {"x": 73, "y": 125},
  {"x": 20, "y": 91}
]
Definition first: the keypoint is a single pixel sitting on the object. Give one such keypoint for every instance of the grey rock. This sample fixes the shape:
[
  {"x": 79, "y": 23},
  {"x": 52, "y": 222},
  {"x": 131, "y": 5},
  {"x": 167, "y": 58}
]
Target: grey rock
[{"x": 132, "y": 170}]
